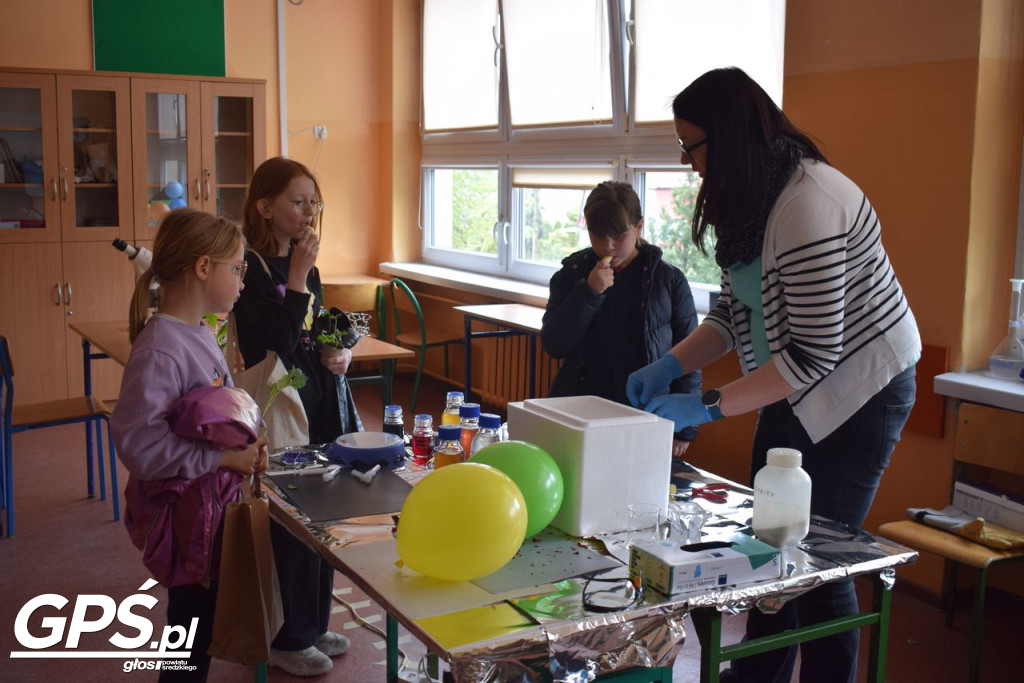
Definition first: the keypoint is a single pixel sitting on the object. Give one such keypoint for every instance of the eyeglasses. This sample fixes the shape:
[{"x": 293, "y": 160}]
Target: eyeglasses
[
  {"x": 302, "y": 206},
  {"x": 237, "y": 269},
  {"x": 688, "y": 150}
]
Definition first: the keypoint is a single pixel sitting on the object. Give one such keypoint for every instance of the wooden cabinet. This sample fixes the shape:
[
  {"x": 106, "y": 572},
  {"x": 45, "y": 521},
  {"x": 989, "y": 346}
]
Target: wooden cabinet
[
  {"x": 66, "y": 156},
  {"x": 90, "y": 154},
  {"x": 196, "y": 144}
]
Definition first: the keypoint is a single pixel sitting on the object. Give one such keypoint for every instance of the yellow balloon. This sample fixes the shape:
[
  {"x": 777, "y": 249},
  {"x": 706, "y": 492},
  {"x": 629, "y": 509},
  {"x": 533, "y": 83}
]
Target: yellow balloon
[{"x": 461, "y": 522}]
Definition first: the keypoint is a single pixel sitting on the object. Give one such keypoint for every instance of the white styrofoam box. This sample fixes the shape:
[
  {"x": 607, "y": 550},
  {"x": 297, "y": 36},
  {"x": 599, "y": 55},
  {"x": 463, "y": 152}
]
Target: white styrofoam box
[
  {"x": 992, "y": 505},
  {"x": 610, "y": 455}
]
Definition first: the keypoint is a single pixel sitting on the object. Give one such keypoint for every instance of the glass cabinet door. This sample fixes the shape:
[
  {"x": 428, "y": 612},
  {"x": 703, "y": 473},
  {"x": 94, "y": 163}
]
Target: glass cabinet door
[
  {"x": 28, "y": 159},
  {"x": 166, "y": 137},
  {"x": 95, "y": 144},
  {"x": 234, "y": 142}
]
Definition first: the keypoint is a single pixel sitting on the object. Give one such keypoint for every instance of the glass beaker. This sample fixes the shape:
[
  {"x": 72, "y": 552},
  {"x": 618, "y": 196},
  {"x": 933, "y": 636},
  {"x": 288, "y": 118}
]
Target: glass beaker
[{"x": 1007, "y": 359}]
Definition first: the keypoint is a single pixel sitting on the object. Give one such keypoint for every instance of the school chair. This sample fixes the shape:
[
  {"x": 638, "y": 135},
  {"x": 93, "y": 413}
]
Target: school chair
[
  {"x": 363, "y": 300},
  {"x": 85, "y": 409},
  {"x": 989, "y": 438},
  {"x": 422, "y": 339}
]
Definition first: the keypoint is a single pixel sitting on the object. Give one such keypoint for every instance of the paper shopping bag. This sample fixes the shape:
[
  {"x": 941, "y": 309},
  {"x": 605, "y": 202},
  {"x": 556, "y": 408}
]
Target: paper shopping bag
[{"x": 248, "y": 612}]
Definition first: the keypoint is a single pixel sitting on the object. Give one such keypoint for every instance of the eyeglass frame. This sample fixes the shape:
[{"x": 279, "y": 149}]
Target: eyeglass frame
[
  {"x": 235, "y": 267},
  {"x": 688, "y": 150},
  {"x": 299, "y": 205}
]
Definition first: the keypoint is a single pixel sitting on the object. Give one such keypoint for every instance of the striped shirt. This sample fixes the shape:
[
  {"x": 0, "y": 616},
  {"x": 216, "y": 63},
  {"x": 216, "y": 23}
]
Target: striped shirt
[{"x": 838, "y": 325}]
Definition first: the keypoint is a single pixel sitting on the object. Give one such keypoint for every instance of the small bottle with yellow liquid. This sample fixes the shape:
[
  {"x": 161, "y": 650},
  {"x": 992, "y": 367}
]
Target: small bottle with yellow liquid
[
  {"x": 451, "y": 416},
  {"x": 449, "y": 449}
]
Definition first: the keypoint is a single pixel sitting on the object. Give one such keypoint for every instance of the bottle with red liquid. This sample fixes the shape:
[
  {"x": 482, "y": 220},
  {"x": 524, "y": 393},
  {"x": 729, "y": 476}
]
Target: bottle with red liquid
[{"x": 422, "y": 439}]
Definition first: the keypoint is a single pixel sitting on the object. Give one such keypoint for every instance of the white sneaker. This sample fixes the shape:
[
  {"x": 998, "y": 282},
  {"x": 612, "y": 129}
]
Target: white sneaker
[
  {"x": 308, "y": 662},
  {"x": 332, "y": 644}
]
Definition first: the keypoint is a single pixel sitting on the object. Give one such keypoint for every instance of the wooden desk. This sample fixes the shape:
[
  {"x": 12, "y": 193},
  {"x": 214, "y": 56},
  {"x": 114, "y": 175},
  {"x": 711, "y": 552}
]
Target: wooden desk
[
  {"x": 516, "y": 320},
  {"x": 560, "y": 635},
  {"x": 111, "y": 339}
]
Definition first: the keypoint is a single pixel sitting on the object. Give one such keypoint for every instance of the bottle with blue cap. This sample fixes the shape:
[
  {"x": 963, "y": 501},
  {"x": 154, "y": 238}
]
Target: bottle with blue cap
[
  {"x": 469, "y": 421},
  {"x": 449, "y": 449},
  {"x": 490, "y": 432}
]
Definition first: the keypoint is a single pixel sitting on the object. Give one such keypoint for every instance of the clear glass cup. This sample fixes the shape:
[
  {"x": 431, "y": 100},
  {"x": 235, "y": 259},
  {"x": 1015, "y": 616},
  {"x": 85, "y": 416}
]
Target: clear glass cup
[{"x": 646, "y": 523}]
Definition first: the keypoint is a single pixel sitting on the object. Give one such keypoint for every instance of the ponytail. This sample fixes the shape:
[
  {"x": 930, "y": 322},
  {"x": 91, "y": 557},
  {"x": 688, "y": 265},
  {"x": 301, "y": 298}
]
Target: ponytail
[{"x": 140, "y": 304}]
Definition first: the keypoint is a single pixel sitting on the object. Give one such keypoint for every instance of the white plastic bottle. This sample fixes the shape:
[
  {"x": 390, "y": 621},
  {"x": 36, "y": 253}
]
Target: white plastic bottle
[{"x": 782, "y": 499}]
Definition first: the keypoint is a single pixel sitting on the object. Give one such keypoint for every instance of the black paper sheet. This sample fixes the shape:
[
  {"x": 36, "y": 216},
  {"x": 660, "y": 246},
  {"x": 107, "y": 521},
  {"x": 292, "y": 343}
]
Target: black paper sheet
[{"x": 344, "y": 496}]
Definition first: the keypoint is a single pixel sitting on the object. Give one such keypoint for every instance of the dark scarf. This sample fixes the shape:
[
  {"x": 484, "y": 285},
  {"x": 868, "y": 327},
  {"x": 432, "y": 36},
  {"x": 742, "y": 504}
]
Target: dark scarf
[{"x": 745, "y": 244}]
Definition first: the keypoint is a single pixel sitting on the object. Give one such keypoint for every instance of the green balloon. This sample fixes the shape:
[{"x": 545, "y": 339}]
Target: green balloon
[{"x": 535, "y": 473}]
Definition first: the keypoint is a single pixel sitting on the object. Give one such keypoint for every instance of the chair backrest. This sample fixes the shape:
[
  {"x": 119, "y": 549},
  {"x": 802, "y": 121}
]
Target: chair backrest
[
  {"x": 989, "y": 437},
  {"x": 407, "y": 303},
  {"x": 361, "y": 297}
]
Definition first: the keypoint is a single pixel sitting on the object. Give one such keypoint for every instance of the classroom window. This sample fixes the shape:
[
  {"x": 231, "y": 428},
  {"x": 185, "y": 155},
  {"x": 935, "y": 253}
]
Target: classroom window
[{"x": 538, "y": 102}]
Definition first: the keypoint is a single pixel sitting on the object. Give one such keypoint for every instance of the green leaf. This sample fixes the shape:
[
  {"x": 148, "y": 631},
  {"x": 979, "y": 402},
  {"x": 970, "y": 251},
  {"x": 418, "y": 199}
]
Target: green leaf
[{"x": 295, "y": 378}]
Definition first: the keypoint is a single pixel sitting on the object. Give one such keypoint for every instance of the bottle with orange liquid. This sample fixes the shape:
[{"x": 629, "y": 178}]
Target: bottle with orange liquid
[
  {"x": 470, "y": 424},
  {"x": 449, "y": 449}
]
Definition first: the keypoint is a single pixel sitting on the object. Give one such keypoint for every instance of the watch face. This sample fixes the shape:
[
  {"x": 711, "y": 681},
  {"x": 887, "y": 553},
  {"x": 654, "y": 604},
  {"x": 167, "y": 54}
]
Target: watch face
[{"x": 711, "y": 397}]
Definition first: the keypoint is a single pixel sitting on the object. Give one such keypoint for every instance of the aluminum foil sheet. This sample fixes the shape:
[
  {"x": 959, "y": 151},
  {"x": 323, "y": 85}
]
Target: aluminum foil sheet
[{"x": 573, "y": 645}]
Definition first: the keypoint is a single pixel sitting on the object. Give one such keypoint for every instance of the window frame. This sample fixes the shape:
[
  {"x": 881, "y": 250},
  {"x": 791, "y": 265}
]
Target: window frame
[{"x": 634, "y": 148}]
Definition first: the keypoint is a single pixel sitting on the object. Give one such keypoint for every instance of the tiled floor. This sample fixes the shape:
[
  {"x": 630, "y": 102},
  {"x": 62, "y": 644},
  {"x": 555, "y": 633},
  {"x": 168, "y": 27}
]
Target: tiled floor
[{"x": 69, "y": 545}]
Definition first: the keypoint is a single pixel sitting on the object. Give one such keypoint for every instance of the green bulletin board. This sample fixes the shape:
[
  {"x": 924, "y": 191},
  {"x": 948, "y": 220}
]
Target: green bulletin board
[{"x": 159, "y": 36}]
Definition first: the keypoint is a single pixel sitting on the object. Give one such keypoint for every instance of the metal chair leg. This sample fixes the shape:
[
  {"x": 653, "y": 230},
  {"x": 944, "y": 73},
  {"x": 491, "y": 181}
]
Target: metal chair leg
[
  {"x": 977, "y": 626},
  {"x": 100, "y": 466},
  {"x": 115, "y": 491},
  {"x": 419, "y": 374}
]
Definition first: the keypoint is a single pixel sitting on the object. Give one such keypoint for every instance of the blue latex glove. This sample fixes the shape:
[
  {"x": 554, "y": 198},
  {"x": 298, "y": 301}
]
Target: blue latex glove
[
  {"x": 652, "y": 380},
  {"x": 685, "y": 410}
]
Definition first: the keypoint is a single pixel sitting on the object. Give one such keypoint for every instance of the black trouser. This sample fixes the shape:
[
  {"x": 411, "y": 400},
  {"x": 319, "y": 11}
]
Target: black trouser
[
  {"x": 307, "y": 583},
  {"x": 185, "y": 603}
]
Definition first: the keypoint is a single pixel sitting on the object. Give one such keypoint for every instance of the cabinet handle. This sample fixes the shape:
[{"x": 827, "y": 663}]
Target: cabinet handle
[
  {"x": 206, "y": 184},
  {"x": 67, "y": 296},
  {"x": 57, "y": 293},
  {"x": 53, "y": 187},
  {"x": 64, "y": 187},
  {"x": 197, "y": 188}
]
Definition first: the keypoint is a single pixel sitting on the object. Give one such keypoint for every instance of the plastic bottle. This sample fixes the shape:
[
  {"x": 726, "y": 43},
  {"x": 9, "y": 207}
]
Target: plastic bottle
[
  {"x": 469, "y": 414},
  {"x": 1007, "y": 359},
  {"x": 782, "y": 499},
  {"x": 393, "y": 422},
  {"x": 490, "y": 424},
  {"x": 449, "y": 449},
  {"x": 422, "y": 439},
  {"x": 451, "y": 416}
]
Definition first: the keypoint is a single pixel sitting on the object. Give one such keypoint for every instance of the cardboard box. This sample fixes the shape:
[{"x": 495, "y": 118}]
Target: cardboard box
[
  {"x": 990, "y": 503},
  {"x": 671, "y": 568},
  {"x": 610, "y": 456}
]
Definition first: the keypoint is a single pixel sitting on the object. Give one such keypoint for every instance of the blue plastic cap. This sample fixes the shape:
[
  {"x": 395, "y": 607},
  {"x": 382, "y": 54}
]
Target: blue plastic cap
[
  {"x": 490, "y": 420},
  {"x": 469, "y": 410},
  {"x": 449, "y": 432}
]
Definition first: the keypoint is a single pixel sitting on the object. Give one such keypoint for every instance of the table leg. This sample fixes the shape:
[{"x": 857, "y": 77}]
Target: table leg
[
  {"x": 259, "y": 672},
  {"x": 391, "y": 630},
  {"x": 708, "y": 625},
  {"x": 467, "y": 337},
  {"x": 87, "y": 388},
  {"x": 881, "y": 602},
  {"x": 387, "y": 369}
]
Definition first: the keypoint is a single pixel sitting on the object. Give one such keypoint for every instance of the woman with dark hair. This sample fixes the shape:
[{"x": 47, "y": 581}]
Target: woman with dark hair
[
  {"x": 826, "y": 339},
  {"x": 616, "y": 306}
]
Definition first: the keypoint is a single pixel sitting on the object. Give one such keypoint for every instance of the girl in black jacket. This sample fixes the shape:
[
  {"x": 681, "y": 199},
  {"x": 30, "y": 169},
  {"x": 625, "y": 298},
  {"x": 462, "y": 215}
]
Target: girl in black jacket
[{"x": 617, "y": 306}]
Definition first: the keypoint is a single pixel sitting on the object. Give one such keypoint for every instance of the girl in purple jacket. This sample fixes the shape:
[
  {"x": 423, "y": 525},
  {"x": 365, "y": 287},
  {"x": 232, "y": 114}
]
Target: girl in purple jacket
[{"x": 198, "y": 260}]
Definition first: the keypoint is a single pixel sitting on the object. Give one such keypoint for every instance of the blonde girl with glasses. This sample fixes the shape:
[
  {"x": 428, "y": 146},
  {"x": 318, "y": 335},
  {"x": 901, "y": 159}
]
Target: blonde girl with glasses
[
  {"x": 279, "y": 310},
  {"x": 197, "y": 259}
]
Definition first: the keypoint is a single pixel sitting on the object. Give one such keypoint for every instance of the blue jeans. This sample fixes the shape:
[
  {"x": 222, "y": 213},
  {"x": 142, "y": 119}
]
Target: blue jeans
[{"x": 845, "y": 468}]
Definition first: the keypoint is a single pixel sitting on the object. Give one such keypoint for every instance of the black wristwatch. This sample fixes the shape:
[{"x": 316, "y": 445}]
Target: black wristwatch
[{"x": 711, "y": 398}]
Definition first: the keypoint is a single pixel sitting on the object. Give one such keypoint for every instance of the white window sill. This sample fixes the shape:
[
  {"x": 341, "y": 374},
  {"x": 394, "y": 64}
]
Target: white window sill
[
  {"x": 505, "y": 289},
  {"x": 982, "y": 387}
]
